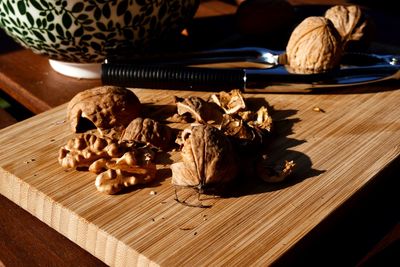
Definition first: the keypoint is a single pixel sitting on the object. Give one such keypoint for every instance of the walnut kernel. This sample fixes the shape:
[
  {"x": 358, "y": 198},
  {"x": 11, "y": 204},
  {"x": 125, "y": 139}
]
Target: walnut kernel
[
  {"x": 84, "y": 149},
  {"x": 124, "y": 172}
]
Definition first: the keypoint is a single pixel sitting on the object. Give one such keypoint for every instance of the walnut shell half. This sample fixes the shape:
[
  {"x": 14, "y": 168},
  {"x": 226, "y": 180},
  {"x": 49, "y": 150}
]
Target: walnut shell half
[
  {"x": 314, "y": 46},
  {"x": 149, "y": 131},
  {"x": 231, "y": 102},
  {"x": 102, "y": 107},
  {"x": 200, "y": 110}
]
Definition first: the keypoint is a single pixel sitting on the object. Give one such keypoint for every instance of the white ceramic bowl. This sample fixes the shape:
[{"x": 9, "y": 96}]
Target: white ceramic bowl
[{"x": 78, "y": 34}]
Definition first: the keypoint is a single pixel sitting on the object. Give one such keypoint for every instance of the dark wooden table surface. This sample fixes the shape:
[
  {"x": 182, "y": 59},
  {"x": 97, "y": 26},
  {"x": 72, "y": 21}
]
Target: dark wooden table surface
[{"x": 30, "y": 83}]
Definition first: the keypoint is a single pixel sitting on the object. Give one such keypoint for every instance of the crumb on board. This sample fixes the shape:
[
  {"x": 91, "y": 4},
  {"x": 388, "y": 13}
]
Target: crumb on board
[
  {"x": 186, "y": 228},
  {"x": 59, "y": 122},
  {"x": 318, "y": 109}
]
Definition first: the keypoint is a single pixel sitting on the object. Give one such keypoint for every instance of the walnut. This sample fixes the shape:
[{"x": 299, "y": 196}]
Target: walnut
[
  {"x": 200, "y": 110},
  {"x": 103, "y": 108},
  {"x": 350, "y": 22},
  {"x": 314, "y": 46},
  {"x": 208, "y": 159},
  {"x": 132, "y": 168},
  {"x": 149, "y": 131},
  {"x": 230, "y": 102},
  {"x": 84, "y": 149}
]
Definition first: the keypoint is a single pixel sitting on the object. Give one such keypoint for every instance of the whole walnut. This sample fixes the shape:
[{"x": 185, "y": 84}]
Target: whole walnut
[
  {"x": 103, "y": 108},
  {"x": 351, "y": 23},
  {"x": 314, "y": 46},
  {"x": 208, "y": 159}
]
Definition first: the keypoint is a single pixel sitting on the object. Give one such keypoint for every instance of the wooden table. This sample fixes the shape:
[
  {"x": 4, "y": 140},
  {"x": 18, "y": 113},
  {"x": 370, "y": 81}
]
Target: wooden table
[{"x": 29, "y": 79}]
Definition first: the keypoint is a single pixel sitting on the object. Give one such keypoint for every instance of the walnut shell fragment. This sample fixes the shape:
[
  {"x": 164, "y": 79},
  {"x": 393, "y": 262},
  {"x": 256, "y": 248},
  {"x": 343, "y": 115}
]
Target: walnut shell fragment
[
  {"x": 263, "y": 120},
  {"x": 237, "y": 128},
  {"x": 200, "y": 110},
  {"x": 231, "y": 102},
  {"x": 149, "y": 131},
  {"x": 248, "y": 127},
  {"x": 103, "y": 108},
  {"x": 314, "y": 46},
  {"x": 274, "y": 174},
  {"x": 349, "y": 21},
  {"x": 208, "y": 159}
]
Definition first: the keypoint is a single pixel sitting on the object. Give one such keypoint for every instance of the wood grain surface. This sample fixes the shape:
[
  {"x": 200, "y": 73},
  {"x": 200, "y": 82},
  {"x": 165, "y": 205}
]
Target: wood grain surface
[{"x": 337, "y": 152}]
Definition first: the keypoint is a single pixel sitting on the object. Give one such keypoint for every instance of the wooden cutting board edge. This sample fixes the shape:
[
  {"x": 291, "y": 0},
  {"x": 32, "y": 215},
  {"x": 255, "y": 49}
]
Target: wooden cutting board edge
[{"x": 99, "y": 243}]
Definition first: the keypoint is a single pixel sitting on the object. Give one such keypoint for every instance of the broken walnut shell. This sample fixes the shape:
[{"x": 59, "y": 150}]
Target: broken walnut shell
[
  {"x": 314, "y": 46},
  {"x": 274, "y": 173},
  {"x": 235, "y": 127},
  {"x": 103, "y": 107},
  {"x": 149, "y": 131},
  {"x": 231, "y": 102},
  {"x": 200, "y": 110},
  {"x": 263, "y": 120}
]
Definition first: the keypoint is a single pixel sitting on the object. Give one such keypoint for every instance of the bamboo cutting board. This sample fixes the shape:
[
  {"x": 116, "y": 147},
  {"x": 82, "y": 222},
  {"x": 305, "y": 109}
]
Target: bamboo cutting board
[{"x": 337, "y": 152}]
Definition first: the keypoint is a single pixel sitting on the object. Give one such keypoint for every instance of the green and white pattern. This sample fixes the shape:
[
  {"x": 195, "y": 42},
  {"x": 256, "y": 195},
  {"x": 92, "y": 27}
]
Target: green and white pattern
[{"x": 84, "y": 31}]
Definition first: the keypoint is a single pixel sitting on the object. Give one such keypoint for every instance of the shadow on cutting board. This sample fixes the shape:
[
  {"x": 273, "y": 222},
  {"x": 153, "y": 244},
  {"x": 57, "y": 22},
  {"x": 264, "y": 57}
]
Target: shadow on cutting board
[{"x": 278, "y": 150}]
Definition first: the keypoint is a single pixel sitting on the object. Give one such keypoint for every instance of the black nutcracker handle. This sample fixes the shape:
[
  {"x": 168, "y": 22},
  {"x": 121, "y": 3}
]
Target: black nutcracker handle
[{"x": 172, "y": 77}]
